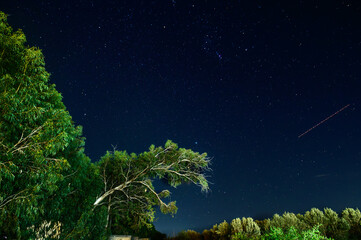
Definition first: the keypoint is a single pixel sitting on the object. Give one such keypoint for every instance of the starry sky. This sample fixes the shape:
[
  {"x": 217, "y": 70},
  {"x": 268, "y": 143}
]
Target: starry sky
[{"x": 240, "y": 80}]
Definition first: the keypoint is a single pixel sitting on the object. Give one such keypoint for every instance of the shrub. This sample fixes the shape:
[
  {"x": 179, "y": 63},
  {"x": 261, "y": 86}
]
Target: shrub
[
  {"x": 245, "y": 227},
  {"x": 207, "y": 235},
  {"x": 352, "y": 218},
  {"x": 293, "y": 234},
  {"x": 264, "y": 225},
  {"x": 286, "y": 221},
  {"x": 223, "y": 230}
]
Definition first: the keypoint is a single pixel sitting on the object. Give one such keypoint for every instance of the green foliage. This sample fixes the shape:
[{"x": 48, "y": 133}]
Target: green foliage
[
  {"x": 117, "y": 168},
  {"x": 313, "y": 217},
  {"x": 180, "y": 160},
  {"x": 224, "y": 230},
  {"x": 334, "y": 226},
  {"x": 244, "y": 228},
  {"x": 88, "y": 227},
  {"x": 293, "y": 234},
  {"x": 189, "y": 235},
  {"x": 314, "y": 224},
  {"x": 264, "y": 225},
  {"x": 352, "y": 216},
  {"x": 44, "y": 174},
  {"x": 208, "y": 235},
  {"x": 331, "y": 224},
  {"x": 128, "y": 188},
  {"x": 34, "y": 127},
  {"x": 286, "y": 221},
  {"x": 352, "y": 222}
]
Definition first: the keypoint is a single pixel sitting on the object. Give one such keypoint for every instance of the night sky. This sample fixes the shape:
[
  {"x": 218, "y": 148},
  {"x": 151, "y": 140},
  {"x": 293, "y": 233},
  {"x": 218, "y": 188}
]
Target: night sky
[{"x": 240, "y": 80}]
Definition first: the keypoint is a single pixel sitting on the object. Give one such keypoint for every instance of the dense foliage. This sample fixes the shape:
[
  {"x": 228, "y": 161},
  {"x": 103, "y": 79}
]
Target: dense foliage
[
  {"x": 314, "y": 224},
  {"x": 44, "y": 174},
  {"x": 48, "y": 187}
]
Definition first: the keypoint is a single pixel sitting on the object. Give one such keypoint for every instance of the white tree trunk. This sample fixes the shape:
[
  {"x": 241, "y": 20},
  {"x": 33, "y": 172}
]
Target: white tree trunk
[{"x": 110, "y": 192}]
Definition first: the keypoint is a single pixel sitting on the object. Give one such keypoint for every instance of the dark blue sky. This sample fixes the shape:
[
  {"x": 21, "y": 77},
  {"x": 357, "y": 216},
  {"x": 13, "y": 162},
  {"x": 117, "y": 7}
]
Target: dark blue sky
[{"x": 240, "y": 80}]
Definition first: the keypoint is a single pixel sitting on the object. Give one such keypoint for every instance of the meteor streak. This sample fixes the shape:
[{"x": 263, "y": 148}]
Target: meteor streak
[{"x": 324, "y": 120}]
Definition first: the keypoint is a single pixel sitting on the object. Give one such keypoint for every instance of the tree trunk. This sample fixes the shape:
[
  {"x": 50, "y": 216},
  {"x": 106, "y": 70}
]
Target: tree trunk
[
  {"x": 108, "y": 224},
  {"x": 108, "y": 193}
]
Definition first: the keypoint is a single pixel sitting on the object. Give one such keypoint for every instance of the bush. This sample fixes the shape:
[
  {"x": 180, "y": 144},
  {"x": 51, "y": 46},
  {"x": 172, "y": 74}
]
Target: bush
[
  {"x": 352, "y": 219},
  {"x": 223, "y": 230},
  {"x": 286, "y": 221},
  {"x": 293, "y": 234},
  {"x": 245, "y": 227}
]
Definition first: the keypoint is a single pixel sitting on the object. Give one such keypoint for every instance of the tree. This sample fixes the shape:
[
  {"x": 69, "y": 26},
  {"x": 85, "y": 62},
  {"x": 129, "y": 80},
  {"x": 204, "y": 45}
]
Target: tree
[
  {"x": 352, "y": 217},
  {"x": 207, "y": 234},
  {"x": 244, "y": 227},
  {"x": 188, "y": 235},
  {"x": 224, "y": 230},
  {"x": 334, "y": 226},
  {"x": 313, "y": 217},
  {"x": 42, "y": 165},
  {"x": 34, "y": 130},
  {"x": 286, "y": 221},
  {"x": 264, "y": 225},
  {"x": 128, "y": 191}
]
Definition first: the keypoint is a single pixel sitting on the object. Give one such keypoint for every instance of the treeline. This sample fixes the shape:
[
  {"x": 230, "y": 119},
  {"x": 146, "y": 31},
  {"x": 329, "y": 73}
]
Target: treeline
[{"x": 314, "y": 224}]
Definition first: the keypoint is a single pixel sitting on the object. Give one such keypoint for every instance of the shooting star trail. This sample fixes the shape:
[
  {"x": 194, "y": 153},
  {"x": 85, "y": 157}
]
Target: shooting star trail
[{"x": 324, "y": 120}]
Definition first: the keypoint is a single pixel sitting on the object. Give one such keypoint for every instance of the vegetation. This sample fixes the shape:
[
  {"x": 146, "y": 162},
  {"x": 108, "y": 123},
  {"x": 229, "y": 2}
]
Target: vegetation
[
  {"x": 43, "y": 167},
  {"x": 292, "y": 233},
  {"x": 313, "y": 225},
  {"x": 48, "y": 187}
]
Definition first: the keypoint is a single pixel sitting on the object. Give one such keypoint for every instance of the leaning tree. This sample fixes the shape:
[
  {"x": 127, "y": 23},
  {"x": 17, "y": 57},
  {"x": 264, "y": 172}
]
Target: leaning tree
[{"x": 129, "y": 194}]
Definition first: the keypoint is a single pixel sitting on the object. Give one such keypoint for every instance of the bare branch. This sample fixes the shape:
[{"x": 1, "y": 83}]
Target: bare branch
[{"x": 14, "y": 197}]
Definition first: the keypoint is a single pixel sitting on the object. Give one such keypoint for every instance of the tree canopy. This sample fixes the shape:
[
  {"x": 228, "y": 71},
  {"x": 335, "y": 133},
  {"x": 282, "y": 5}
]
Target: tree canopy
[
  {"x": 127, "y": 178},
  {"x": 44, "y": 174}
]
